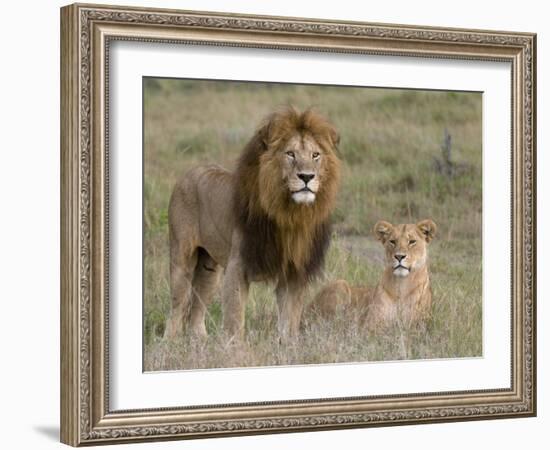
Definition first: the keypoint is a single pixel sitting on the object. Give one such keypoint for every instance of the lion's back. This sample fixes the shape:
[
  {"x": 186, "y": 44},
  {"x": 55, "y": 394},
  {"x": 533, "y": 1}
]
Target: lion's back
[{"x": 201, "y": 209}]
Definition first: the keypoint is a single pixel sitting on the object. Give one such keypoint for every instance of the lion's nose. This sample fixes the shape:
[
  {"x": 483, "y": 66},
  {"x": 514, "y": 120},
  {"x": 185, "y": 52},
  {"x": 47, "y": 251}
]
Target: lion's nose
[
  {"x": 399, "y": 257},
  {"x": 306, "y": 177}
]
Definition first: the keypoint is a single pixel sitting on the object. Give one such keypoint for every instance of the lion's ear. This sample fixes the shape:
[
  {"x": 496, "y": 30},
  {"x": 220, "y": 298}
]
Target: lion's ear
[
  {"x": 382, "y": 230},
  {"x": 263, "y": 134},
  {"x": 427, "y": 228},
  {"x": 334, "y": 137}
]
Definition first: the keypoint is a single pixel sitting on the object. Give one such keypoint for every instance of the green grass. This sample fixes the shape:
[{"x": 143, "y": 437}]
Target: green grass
[{"x": 389, "y": 141}]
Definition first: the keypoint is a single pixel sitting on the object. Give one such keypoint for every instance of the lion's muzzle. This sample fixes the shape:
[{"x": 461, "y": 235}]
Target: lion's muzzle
[
  {"x": 307, "y": 190},
  {"x": 399, "y": 267}
]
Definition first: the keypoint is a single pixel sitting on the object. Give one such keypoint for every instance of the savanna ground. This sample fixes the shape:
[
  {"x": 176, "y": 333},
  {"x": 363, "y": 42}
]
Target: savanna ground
[{"x": 394, "y": 169}]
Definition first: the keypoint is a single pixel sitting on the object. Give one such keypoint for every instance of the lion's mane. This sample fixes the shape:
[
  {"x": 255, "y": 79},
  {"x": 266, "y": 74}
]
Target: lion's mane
[{"x": 281, "y": 237}]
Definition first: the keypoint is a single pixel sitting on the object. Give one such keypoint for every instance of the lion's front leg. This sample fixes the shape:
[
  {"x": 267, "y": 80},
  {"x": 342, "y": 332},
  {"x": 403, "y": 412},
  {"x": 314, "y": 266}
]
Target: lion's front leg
[
  {"x": 290, "y": 304},
  {"x": 234, "y": 297}
]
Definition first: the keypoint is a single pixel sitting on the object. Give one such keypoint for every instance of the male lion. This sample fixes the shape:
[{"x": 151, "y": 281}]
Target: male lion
[
  {"x": 268, "y": 221},
  {"x": 403, "y": 296}
]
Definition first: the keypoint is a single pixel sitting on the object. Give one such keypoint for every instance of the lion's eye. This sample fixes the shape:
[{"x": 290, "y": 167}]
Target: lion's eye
[
  {"x": 412, "y": 242},
  {"x": 316, "y": 155},
  {"x": 290, "y": 155},
  {"x": 392, "y": 242}
]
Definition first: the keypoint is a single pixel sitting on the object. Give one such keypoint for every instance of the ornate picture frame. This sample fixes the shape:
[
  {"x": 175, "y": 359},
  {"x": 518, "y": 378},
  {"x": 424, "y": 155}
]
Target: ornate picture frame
[{"x": 87, "y": 31}]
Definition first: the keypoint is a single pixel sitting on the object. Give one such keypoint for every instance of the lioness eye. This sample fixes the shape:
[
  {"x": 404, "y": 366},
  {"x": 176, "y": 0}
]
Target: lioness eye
[
  {"x": 412, "y": 242},
  {"x": 392, "y": 241},
  {"x": 290, "y": 154},
  {"x": 316, "y": 155}
]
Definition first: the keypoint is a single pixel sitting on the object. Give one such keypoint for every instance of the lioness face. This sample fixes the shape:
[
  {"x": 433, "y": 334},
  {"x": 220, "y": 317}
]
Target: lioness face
[
  {"x": 301, "y": 160},
  {"x": 405, "y": 245}
]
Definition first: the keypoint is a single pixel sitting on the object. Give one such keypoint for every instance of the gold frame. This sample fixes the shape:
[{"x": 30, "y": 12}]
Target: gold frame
[{"x": 86, "y": 31}]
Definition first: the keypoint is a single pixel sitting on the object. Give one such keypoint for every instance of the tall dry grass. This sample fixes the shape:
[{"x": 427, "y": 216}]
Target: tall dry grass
[{"x": 389, "y": 142}]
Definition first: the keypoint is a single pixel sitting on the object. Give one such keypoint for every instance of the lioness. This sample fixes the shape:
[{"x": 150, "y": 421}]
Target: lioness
[
  {"x": 267, "y": 221},
  {"x": 403, "y": 296}
]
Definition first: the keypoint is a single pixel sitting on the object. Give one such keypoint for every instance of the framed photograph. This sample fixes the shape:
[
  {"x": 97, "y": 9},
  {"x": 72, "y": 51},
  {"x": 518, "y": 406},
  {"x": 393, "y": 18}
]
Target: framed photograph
[{"x": 276, "y": 224}]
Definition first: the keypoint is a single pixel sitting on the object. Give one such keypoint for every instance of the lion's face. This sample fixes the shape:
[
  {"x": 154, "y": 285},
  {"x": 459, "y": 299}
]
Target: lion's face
[
  {"x": 301, "y": 161},
  {"x": 405, "y": 245},
  {"x": 298, "y": 170}
]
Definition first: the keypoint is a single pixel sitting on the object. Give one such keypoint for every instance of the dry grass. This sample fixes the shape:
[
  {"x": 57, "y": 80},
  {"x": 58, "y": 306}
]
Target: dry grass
[{"x": 389, "y": 140}]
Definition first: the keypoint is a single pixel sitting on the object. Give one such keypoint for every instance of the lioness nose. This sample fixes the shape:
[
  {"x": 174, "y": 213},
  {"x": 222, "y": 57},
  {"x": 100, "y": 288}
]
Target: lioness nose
[
  {"x": 306, "y": 177},
  {"x": 399, "y": 257}
]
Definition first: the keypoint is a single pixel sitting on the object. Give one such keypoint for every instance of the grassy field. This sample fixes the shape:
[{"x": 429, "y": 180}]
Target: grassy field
[{"x": 393, "y": 169}]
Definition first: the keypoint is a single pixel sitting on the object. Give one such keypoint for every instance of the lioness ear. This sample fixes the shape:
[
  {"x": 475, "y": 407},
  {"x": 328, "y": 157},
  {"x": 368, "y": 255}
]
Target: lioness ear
[
  {"x": 427, "y": 228},
  {"x": 382, "y": 230}
]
